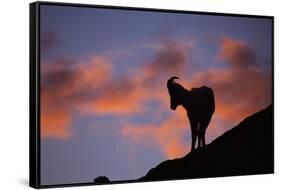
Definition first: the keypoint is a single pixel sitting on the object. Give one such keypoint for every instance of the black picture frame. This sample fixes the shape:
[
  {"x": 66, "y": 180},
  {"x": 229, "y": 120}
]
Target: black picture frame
[{"x": 34, "y": 83}]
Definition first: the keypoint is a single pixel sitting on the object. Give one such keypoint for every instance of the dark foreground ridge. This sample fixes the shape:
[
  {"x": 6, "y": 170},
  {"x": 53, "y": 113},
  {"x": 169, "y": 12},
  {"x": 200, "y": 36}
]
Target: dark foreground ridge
[
  {"x": 246, "y": 149},
  {"x": 101, "y": 180}
]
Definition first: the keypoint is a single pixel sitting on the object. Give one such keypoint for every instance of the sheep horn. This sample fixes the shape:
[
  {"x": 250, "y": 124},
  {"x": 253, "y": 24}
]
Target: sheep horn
[{"x": 171, "y": 80}]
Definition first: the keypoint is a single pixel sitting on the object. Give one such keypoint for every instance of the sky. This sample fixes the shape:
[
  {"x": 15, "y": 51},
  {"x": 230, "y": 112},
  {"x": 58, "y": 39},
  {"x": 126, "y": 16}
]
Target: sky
[{"x": 105, "y": 107}]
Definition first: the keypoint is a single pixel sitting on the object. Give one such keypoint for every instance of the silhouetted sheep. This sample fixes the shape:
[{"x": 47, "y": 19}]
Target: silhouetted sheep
[{"x": 199, "y": 104}]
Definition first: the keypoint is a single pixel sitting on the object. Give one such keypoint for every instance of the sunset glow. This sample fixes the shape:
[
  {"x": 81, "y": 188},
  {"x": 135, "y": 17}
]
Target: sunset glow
[{"x": 103, "y": 85}]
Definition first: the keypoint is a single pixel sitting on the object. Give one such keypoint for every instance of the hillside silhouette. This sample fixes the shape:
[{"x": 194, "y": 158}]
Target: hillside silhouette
[
  {"x": 245, "y": 149},
  {"x": 101, "y": 180}
]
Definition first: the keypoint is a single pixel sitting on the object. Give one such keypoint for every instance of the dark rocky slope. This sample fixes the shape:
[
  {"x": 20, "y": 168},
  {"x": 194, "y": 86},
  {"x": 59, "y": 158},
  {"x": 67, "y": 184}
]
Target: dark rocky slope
[{"x": 245, "y": 149}]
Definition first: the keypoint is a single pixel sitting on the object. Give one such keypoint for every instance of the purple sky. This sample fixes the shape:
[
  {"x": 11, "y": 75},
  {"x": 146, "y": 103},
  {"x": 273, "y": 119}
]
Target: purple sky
[{"x": 105, "y": 106}]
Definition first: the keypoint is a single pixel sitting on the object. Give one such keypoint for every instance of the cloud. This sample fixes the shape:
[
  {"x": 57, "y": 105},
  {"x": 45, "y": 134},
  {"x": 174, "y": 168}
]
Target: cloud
[
  {"x": 118, "y": 97},
  {"x": 56, "y": 124},
  {"x": 168, "y": 135},
  {"x": 90, "y": 87},
  {"x": 172, "y": 57},
  {"x": 65, "y": 87},
  {"x": 237, "y": 52},
  {"x": 241, "y": 89}
]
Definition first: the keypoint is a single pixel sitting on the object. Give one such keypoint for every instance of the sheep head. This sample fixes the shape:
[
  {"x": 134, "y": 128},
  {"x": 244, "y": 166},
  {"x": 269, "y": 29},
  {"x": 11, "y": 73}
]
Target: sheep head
[{"x": 172, "y": 88}]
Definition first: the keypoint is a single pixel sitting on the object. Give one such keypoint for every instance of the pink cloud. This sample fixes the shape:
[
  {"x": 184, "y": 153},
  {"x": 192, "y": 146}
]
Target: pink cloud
[
  {"x": 167, "y": 135},
  {"x": 90, "y": 88},
  {"x": 241, "y": 90},
  {"x": 64, "y": 86},
  {"x": 237, "y": 52},
  {"x": 56, "y": 124}
]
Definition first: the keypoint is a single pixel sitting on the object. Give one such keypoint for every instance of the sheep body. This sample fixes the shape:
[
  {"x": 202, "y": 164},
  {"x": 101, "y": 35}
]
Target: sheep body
[{"x": 199, "y": 104}]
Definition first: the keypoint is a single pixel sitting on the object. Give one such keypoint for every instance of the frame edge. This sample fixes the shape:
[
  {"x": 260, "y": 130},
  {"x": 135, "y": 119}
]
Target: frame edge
[{"x": 34, "y": 172}]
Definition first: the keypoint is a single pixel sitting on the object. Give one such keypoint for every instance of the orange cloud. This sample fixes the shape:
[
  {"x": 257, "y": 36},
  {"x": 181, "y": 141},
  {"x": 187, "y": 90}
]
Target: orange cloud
[
  {"x": 118, "y": 97},
  {"x": 64, "y": 85},
  {"x": 237, "y": 95},
  {"x": 237, "y": 52},
  {"x": 167, "y": 136},
  {"x": 55, "y": 125},
  {"x": 240, "y": 90},
  {"x": 90, "y": 87}
]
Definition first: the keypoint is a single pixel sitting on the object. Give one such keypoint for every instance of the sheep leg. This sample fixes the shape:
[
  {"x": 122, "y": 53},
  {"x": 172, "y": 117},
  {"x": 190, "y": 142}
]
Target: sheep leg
[
  {"x": 199, "y": 136},
  {"x": 202, "y": 131},
  {"x": 203, "y": 138},
  {"x": 194, "y": 134}
]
